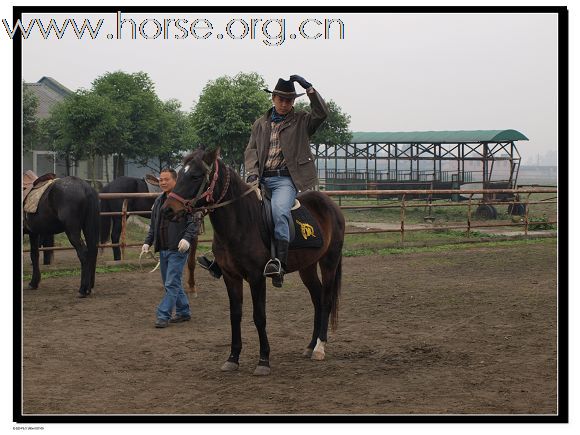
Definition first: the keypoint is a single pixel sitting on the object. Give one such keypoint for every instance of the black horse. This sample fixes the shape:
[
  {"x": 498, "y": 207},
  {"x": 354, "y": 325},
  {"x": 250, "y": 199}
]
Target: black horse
[
  {"x": 111, "y": 225},
  {"x": 68, "y": 205},
  {"x": 241, "y": 252}
]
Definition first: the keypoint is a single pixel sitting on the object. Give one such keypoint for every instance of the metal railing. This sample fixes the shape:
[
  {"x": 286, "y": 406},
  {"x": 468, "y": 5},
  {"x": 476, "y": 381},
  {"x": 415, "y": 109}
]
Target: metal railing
[{"x": 404, "y": 203}]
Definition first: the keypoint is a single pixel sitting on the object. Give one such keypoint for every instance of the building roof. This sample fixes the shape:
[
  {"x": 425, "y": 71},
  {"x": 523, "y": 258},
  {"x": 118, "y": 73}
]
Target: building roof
[
  {"x": 48, "y": 92},
  {"x": 461, "y": 136}
]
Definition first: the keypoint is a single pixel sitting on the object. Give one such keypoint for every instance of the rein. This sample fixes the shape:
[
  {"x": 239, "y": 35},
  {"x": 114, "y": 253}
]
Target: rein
[{"x": 208, "y": 194}]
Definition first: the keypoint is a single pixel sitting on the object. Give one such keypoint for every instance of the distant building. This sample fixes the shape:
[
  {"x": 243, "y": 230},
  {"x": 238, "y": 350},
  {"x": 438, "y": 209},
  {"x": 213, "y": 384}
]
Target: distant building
[
  {"x": 48, "y": 93},
  {"x": 41, "y": 160}
]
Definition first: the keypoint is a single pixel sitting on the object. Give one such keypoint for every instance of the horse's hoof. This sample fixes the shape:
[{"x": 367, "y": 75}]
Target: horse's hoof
[
  {"x": 229, "y": 366},
  {"x": 31, "y": 287},
  {"x": 317, "y": 356},
  {"x": 307, "y": 352},
  {"x": 262, "y": 371},
  {"x": 83, "y": 295}
]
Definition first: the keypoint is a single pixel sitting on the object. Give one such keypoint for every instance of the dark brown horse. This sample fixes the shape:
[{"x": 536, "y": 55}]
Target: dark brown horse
[{"x": 205, "y": 182}]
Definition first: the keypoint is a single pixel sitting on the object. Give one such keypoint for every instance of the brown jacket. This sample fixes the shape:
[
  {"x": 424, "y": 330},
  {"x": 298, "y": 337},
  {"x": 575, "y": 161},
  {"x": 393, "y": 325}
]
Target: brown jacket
[{"x": 294, "y": 140}]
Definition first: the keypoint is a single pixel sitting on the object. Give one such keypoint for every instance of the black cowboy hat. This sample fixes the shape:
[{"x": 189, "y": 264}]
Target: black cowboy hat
[{"x": 284, "y": 88}]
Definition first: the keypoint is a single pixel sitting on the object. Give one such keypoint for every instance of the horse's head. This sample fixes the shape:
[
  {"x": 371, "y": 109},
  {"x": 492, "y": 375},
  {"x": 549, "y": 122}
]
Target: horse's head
[{"x": 195, "y": 183}]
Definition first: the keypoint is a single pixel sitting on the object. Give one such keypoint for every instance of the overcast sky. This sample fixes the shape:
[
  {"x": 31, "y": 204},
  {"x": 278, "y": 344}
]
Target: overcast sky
[{"x": 390, "y": 72}]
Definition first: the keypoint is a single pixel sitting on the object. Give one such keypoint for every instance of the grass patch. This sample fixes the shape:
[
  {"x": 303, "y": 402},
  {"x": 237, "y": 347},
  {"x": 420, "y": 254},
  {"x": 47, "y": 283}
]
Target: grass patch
[
  {"x": 442, "y": 248},
  {"x": 60, "y": 273}
]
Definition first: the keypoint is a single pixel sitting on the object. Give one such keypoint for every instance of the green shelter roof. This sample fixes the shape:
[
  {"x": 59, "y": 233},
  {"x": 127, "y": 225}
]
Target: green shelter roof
[{"x": 461, "y": 136}]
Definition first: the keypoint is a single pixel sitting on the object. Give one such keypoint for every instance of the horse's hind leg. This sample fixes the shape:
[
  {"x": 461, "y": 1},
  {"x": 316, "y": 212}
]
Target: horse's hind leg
[
  {"x": 34, "y": 257},
  {"x": 116, "y": 236},
  {"x": 74, "y": 236},
  {"x": 310, "y": 279},
  {"x": 330, "y": 271}
]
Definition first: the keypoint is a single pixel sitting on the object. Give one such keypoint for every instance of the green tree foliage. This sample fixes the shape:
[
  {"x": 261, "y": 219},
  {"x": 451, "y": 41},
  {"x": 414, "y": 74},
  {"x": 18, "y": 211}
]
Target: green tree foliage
[
  {"x": 137, "y": 111},
  {"x": 173, "y": 136},
  {"x": 225, "y": 112},
  {"x": 334, "y": 130},
  {"x": 80, "y": 128},
  {"x": 30, "y": 124},
  {"x": 121, "y": 114}
]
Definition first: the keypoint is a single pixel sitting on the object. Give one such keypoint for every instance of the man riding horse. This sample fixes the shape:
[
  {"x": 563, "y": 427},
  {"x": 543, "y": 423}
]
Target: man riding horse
[{"x": 278, "y": 154}]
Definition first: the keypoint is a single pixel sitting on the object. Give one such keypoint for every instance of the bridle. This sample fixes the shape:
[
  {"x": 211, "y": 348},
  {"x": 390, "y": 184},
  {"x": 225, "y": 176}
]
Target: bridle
[{"x": 189, "y": 204}]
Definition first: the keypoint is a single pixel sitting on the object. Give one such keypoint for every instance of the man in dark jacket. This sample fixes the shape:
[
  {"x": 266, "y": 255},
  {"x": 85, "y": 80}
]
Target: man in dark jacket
[
  {"x": 172, "y": 240},
  {"x": 278, "y": 154}
]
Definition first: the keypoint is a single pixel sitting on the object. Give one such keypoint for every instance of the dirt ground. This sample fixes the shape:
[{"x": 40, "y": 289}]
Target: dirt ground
[{"x": 463, "y": 332}]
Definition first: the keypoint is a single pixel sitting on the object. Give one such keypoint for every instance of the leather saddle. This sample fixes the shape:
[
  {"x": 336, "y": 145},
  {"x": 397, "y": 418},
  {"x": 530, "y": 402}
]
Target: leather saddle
[
  {"x": 304, "y": 233},
  {"x": 33, "y": 187},
  {"x": 32, "y": 181}
]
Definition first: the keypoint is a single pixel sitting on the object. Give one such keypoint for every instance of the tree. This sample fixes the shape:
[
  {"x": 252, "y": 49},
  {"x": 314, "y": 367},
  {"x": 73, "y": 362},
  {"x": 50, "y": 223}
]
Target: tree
[
  {"x": 225, "y": 112},
  {"x": 30, "y": 123},
  {"x": 334, "y": 130},
  {"x": 173, "y": 136},
  {"x": 137, "y": 111},
  {"x": 80, "y": 128}
]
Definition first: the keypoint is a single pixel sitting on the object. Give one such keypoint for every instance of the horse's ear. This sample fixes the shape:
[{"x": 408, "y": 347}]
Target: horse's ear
[
  {"x": 152, "y": 179},
  {"x": 210, "y": 156}
]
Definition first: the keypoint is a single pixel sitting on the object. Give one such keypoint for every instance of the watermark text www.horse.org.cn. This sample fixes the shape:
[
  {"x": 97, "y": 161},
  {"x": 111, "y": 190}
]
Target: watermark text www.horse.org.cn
[{"x": 271, "y": 31}]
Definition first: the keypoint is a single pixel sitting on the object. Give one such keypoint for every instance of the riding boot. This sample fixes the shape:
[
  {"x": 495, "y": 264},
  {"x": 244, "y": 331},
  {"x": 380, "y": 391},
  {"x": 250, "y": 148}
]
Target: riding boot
[
  {"x": 210, "y": 265},
  {"x": 277, "y": 267}
]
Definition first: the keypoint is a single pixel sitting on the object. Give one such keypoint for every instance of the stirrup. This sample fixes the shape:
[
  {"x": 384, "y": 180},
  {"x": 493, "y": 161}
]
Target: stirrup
[{"x": 276, "y": 263}]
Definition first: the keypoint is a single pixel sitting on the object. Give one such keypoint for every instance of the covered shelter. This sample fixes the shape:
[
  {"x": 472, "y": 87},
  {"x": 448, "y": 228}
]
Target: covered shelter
[{"x": 422, "y": 160}]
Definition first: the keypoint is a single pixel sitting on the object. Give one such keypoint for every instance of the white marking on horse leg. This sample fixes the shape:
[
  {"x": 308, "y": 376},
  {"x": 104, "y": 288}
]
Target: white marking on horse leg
[{"x": 318, "y": 352}]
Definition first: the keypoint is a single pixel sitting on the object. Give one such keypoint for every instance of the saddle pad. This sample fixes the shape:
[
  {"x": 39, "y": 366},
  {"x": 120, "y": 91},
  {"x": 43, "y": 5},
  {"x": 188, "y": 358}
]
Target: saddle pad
[
  {"x": 306, "y": 229},
  {"x": 32, "y": 199}
]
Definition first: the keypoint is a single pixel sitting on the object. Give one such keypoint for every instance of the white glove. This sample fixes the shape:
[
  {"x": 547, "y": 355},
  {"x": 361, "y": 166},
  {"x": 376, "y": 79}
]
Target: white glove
[
  {"x": 183, "y": 246},
  {"x": 145, "y": 248}
]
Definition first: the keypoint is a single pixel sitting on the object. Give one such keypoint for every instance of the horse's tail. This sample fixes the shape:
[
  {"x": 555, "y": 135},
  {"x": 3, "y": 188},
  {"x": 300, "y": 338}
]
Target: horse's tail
[
  {"x": 91, "y": 222},
  {"x": 335, "y": 293}
]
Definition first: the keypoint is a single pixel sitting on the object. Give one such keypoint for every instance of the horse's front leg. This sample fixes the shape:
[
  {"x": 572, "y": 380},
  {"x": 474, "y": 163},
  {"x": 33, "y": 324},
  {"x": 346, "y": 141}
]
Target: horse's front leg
[
  {"x": 191, "y": 288},
  {"x": 47, "y": 241},
  {"x": 234, "y": 285},
  {"x": 258, "y": 289},
  {"x": 34, "y": 257}
]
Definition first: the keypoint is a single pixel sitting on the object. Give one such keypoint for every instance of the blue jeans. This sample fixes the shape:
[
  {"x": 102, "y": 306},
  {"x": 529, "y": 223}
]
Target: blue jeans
[
  {"x": 171, "y": 265},
  {"x": 283, "y": 196}
]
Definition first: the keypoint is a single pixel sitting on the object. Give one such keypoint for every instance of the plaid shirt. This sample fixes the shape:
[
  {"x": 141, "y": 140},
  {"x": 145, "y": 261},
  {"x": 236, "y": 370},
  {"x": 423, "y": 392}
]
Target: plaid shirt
[{"x": 275, "y": 158}]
